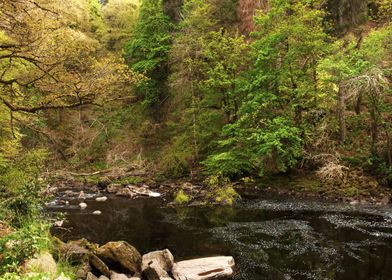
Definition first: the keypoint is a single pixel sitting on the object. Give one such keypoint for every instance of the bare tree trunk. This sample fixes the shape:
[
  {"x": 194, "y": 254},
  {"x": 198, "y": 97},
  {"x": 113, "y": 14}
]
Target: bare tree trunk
[{"x": 340, "y": 114}]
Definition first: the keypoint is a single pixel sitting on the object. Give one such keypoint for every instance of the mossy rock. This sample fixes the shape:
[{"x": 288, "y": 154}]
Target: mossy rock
[{"x": 182, "y": 198}]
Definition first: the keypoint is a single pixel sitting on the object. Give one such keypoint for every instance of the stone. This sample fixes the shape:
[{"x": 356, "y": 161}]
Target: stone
[
  {"x": 83, "y": 270},
  {"x": 82, "y": 205},
  {"x": 97, "y": 212},
  {"x": 354, "y": 202},
  {"x": 120, "y": 276},
  {"x": 154, "y": 272},
  {"x": 62, "y": 277},
  {"x": 81, "y": 195},
  {"x": 91, "y": 276},
  {"x": 154, "y": 194},
  {"x": 58, "y": 223},
  {"x": 121, "y": 254},
  {"x": 125, "y": 192},
  {"x": 163, "y": 258},
  {"x": 204, "y": 268},
  {"x": 99, "y": 265},
  {"x": 76, "y": 252},
  {"x": 101, "y": 199},
  {"x": 44, "y": 263},
  {"x": 113, "y": 188},
  {"x": 103, "y": 277}
]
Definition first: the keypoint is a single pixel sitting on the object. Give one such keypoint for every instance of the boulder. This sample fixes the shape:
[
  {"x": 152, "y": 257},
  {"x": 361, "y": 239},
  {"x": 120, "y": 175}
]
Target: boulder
[
  {"x": 83, "y": 270},
  {"x": 99, "y": 265},
  {"x": 76, "y": 252},
  {"x": 44, "y": 263},
  {"x": 91, "y": 276},
  {"x": 97, "y": 212},
  {"x": 122, "y": 255},
  {"x": 121, "y": 276},
  {"x": 204, "y": 268},
  {"x": 155, "y": 272},
  {"x": 163, "y": 258},
  {"x": 62, "y": 277},
  {"x": 101, "y": 199},
  {"x": 103, "y": 277}
]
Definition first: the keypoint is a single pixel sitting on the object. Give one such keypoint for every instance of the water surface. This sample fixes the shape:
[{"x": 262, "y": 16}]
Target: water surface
[{"x": 269, "y": 238}]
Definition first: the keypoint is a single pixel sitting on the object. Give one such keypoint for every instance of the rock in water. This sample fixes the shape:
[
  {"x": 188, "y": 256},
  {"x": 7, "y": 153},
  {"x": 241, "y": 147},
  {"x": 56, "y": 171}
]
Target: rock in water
[
  {"x": 163, "y": 258},
  {"x": 97, "y": 212},
  {"x": 81, "y": 195},
  {"x": 121, "y": 254},
  {"x": 154, "y": 194},
  {"x": 82, "y": 205},
  {"x": 101, "y": 199},
  {"x": 59, "y": 223},
  {"x": 125, "y": 192},
  {"x": 204, "y": 268}
]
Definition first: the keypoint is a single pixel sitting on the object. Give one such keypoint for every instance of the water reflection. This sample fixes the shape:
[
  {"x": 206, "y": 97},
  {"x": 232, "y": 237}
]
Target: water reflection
[{"x": 269, "y": 238}]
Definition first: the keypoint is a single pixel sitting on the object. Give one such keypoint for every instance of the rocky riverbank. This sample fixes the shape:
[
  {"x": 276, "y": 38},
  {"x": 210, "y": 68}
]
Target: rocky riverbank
[{"x": 121, "y": 261}]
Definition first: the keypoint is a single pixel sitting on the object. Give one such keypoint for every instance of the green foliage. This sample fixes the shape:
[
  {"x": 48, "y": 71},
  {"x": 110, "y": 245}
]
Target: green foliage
[
  {"x": 148, "y": 51},
  {"x": 31, "y": 238}
]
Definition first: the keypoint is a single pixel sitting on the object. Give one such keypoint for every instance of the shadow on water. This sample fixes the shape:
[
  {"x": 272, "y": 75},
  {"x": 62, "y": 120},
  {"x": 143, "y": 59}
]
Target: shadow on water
[{"x": 270, "y": 239}]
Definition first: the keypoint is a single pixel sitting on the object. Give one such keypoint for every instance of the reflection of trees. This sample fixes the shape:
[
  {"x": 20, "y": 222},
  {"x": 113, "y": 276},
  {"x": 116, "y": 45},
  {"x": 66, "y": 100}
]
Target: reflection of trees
[
  {"x": 121, "y": 219},
  {"x": 267, "y": 243}
]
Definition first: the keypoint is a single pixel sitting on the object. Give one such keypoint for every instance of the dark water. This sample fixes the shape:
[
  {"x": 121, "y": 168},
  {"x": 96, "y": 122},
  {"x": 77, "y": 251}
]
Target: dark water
[{"x": 269, "y": 238}]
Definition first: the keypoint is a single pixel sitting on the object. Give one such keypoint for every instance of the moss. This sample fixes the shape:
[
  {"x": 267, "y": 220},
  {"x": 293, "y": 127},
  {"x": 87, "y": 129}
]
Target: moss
[
  {"x": 181, "y": 198},
  {"x": 226, "y": 196},
  {"x": 128, "y": 180}
]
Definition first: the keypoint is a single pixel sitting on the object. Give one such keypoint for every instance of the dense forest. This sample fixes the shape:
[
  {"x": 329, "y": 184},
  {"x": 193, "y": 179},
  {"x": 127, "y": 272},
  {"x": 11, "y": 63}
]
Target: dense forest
[{"x": 216, "y": 92}]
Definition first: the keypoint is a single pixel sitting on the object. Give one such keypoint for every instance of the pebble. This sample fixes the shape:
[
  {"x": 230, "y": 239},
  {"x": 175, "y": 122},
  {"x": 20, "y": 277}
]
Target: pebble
[
  {"x": 101, "y": 199},
  {"x": 97, "y": 212},
  {"x": 82, "y": 205}
]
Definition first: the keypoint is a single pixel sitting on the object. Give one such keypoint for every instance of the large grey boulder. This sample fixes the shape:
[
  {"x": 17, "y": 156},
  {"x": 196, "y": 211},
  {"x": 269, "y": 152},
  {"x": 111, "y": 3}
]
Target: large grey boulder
[
  {"x": 204, "y": 268},
  {"x": 121, "y": 254},
  {"x": 163, "y": 258}
]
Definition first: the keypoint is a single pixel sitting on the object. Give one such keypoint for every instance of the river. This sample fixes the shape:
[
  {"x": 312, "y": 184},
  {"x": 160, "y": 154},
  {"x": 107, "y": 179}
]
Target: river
[{"x": 270, "y": 238}]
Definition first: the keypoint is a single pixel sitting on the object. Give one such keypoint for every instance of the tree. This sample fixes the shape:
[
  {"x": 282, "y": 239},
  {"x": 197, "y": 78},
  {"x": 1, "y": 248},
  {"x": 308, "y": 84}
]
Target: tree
[
  {"x": 45, "y": 64},
  {"x": 120, "y": 18},
  {"x": 273, "y": 119},
  {"x": 148, "y": 51}
]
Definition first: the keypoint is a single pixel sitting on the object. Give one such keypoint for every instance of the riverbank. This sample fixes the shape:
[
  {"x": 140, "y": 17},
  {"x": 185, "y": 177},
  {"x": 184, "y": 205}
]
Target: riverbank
[{"x": 355, "y": 188}]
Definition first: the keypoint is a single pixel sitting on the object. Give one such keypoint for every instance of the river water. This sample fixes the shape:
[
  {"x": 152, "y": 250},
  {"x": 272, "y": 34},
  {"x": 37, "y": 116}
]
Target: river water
[{"x": 270, "y": 238}]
